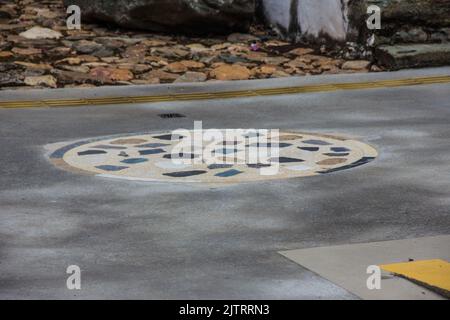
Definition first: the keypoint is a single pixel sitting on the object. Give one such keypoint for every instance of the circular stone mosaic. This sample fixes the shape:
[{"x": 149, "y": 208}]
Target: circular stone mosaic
[{"x": 149, "y": 157}]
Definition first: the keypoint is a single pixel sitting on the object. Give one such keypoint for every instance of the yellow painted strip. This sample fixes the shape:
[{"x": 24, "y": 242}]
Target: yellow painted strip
[
  {"x": 153, "y": 99},
  {"x": 228, "y": 94},
  {"x": 434, "y": 274}
]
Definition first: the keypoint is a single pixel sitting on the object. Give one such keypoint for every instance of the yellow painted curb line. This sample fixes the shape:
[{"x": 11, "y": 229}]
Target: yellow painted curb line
[
  {"x": 433, "y": 274},
  {"x": 226, "y": 94}
]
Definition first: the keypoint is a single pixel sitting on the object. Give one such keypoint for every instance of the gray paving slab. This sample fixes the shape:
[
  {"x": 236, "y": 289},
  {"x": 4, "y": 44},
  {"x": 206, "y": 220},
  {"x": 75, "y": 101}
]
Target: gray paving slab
[{"x": 159, "y": 240}]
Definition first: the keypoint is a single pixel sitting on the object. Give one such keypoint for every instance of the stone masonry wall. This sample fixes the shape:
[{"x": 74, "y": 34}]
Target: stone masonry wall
[{"x": 403, "y": 21}]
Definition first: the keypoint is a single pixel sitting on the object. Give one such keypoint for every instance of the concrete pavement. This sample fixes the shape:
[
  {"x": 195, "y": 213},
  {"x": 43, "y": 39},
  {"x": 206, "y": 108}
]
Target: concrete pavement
[{"x": 162, "y": 240}]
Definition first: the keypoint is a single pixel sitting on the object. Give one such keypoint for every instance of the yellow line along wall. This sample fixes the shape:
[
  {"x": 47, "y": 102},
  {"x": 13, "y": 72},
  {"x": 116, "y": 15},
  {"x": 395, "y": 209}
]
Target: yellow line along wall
[{"x": 226, "y": 94}]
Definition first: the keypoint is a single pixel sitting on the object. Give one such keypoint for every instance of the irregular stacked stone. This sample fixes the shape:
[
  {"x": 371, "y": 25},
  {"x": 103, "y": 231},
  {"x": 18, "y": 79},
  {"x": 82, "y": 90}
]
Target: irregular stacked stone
[
  {"x": 413, "y": 33},
  {"x": 36, "y": 50}
]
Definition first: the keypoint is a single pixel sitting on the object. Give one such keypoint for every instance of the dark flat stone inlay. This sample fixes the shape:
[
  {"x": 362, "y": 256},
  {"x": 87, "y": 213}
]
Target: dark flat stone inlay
[
  {"x": 181, "y": 156},
  {"x": 111, "y": 168},
  {"x": 183, "y": 174},
  {"x": 134, "y": 160},
  {"x": 229, "y": 173},
  {"x": 153, "y": 145},
  {"x": 229, "y": 143},
  {"x": 317, "y": 142},
  {"x": 168, "y": 137},
  {"x": 331, "y": 154},
  {"x": 106, "y": 147},
  {"x": 58, "y": 154},
  {"x": 91, "y": 152},
  {"x": 340, "y": 149},
  {"x": 151, "y": 151},
  {"x": 225, "y": 151},
  {"x": 355, "y": 164},
  {"x": 258, "y": 165},
  {"x": 270, "y": 145},
  {"x": 219, "y": 166},
  {"x": 286, "y": 160},
  {"x": 310, "y": 149}
]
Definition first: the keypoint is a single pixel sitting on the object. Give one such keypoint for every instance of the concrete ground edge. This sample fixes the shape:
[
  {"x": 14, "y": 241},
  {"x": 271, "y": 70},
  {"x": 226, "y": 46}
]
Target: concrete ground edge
[{"x": 346, "y": 265}]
